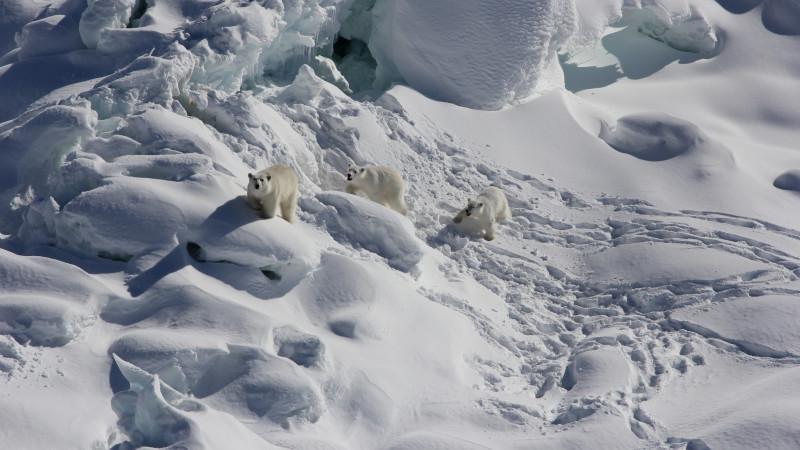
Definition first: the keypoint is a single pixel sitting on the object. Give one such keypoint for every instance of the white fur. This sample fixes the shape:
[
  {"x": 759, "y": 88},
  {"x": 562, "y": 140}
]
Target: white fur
[
  {"x": 272, "y": 188},
  {"x": 490, "y": 206},
  {"x": 380, "y": 184}
]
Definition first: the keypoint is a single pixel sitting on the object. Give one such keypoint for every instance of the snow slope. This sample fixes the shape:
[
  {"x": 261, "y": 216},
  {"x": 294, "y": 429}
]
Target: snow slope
[{"x": 644, "y": 293}]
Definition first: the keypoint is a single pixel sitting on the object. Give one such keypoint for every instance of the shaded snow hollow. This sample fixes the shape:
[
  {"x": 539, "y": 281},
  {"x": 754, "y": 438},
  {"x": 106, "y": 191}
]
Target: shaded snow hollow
[{"x": 641, "y": 295}]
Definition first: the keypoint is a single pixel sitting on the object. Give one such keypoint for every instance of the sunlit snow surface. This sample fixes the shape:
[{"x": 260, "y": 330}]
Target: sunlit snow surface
[{"x": 645, "y": 293}]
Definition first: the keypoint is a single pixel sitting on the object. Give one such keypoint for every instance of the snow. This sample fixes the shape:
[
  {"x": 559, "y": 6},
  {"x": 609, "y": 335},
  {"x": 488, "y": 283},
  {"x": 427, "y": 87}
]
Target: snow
[{"x": 643, "y": 293}]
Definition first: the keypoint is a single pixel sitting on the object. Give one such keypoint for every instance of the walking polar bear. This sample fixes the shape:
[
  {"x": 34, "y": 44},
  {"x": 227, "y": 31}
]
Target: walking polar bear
[
  {"x": 381, "y": 185},
  {"x": 272, "y": 188},
  {"x": 490, "y": 206}
]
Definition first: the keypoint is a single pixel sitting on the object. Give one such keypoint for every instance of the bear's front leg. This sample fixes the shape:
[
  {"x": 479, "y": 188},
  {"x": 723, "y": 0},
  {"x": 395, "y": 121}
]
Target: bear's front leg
[
  {"x": 268, "y": 212},
  {"x": 490, "y": 230},
  {"x": 253, "y": 203},
  {"x": 350, "y": 189}
]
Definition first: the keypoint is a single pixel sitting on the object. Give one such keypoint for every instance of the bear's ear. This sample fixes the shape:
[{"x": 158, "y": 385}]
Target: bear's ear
[
  {"x": 249, "y": 175},
  {"x": 349, "y": 165},
  {"x": 362, "y": 170},
  {"x": 269, "y": 177}
]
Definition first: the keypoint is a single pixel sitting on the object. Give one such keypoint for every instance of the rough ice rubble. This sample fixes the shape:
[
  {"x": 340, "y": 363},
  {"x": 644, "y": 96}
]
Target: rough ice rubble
[
  {"x": 148, "y": 79},
  {"x": 104, "y": 14},
  {"x": 237, "y": 45},
  {"x": 155, "y": 414},
  {"x": 681, "y": 25}
]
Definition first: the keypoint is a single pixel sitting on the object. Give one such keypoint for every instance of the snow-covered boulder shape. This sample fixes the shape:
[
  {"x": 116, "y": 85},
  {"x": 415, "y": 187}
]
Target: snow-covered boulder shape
[
  {"x": 103, "y": 14},
  {"x": 236, "y": 234},
  {"x": 48, "y": 36},
  {"x": 475, "y": 53},
  {"x": 363, "y": 223},
  {"x": 679, "y": 25}
]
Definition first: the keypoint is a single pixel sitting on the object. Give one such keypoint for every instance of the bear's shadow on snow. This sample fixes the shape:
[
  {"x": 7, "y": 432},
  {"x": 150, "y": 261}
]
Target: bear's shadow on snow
[{"x": 228, "y": 217}]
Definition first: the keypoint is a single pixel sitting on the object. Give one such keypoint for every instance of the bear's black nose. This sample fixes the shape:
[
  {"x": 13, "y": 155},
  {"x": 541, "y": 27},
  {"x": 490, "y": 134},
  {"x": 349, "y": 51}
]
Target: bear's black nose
[
  {"x": 468, "y": 213},
  {"x": 349, "y": 177}
]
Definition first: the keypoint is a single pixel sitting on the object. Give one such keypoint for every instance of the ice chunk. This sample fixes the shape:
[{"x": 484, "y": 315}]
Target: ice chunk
[
  {"x": 678, "y": 25},
  {"x": 148, "y": 79},
  {"x": 235, "y": 234},
  {"x": 480, "y": 54},
  {"x": 34, "y": 150},
  {"x": 102, "y": 14},
  {"x": 153, "y": 414}
]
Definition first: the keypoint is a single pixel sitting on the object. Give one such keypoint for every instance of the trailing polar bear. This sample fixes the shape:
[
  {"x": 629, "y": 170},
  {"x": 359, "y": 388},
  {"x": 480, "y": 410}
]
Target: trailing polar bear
[
  {"x": 381, "y": 185},
  {"x": 490, "y": 206},
  {"x": 272, "y": 188}
]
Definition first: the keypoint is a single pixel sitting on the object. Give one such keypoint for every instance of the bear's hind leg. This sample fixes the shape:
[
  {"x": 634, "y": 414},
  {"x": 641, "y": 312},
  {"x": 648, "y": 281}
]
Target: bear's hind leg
[
  {"x": 288, "y": 208},
  {"x": 399, "y": 205}
]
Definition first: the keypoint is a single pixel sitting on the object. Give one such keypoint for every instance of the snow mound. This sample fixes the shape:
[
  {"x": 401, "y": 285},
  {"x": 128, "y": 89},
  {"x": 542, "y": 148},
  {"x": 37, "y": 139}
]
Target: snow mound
[
  {"x": 363, "y": 223},
  {"x": 347, "y": 303},
  {"x": 657, "y": 136},
  {"x": 46, "y": 302},
  {"x": 789, "y": 180},
  {"x": 48, "y": 36},
  {"x": 760, "y": 326},
  {"x": 479, "y": 54},
  {"x": 667, "y": 262},
  {"x": 235, "y": 234}
]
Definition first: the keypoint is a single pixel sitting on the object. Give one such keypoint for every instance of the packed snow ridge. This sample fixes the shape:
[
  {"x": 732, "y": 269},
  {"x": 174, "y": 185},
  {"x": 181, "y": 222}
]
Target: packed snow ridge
[{"x": 640, "y": 291}]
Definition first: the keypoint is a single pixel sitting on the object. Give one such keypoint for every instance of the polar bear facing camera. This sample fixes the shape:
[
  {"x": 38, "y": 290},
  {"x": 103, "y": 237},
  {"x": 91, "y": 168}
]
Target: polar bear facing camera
[
  {"x": 483, "y": 213},
  {"x": 380, "y": 184},
  {"x": 272, "y": 188}
]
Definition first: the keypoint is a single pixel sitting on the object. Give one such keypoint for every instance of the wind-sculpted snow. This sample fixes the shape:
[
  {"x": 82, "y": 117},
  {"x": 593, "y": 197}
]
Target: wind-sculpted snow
[
  {"x": 648, "y": 271},
  {"x": 473, "y": 53},
  {"x": 364, "y": 223}
]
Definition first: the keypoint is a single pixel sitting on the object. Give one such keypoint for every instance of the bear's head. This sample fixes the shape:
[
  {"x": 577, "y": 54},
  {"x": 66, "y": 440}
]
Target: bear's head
[
  {"x": 353, "y": 171},
  {"x": 258, "y": 182},
  {"x": 473, "y": 207}
]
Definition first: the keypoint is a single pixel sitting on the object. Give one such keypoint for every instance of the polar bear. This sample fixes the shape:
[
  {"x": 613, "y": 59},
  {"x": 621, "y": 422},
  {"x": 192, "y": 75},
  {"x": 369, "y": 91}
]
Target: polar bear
[
  {"x": 272, "y": 188},
  {"x": 490, "y": 206},
  {"x": 381, "y": 185}
]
